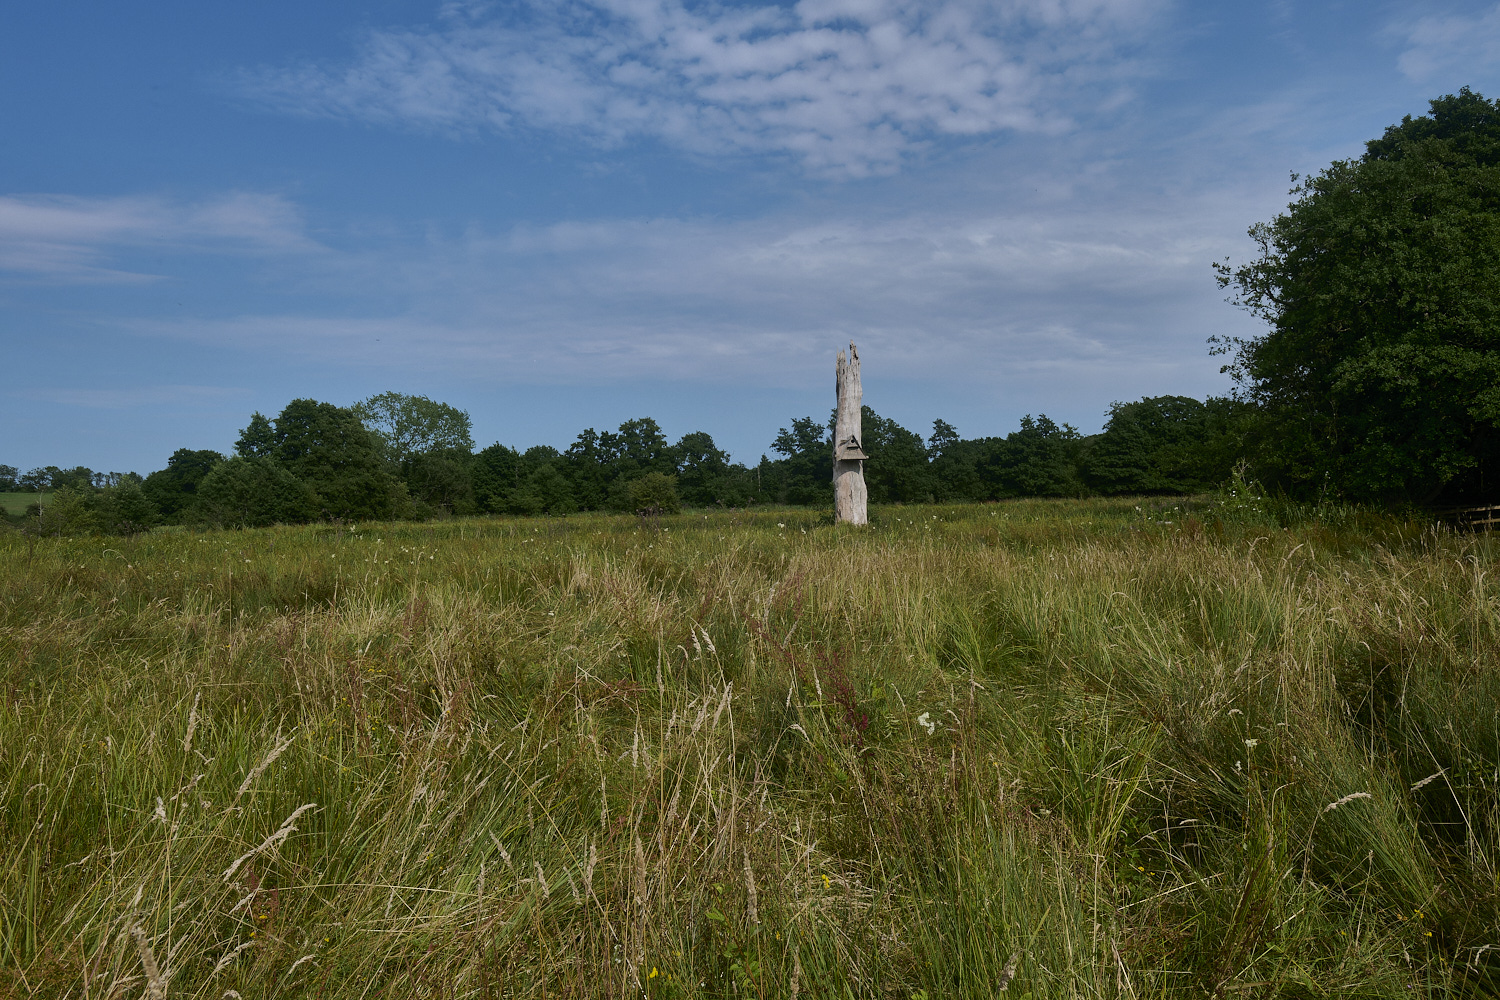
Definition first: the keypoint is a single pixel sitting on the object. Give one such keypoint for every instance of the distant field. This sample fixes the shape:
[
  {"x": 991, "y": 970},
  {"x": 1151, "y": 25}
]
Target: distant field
[
  {"x": 15, "y": 504},
  {"x": 1057, "y": 749}
]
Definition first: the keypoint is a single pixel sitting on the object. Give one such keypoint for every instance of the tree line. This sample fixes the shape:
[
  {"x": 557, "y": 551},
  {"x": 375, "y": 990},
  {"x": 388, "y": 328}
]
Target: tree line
[
  {"x": 401, "y": 456},
  {"x": 1377, "y": 380}
]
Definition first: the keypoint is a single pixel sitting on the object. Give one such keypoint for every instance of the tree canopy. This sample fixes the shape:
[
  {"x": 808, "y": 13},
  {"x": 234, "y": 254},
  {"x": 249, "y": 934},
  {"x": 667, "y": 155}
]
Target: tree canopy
[
  {"x": 410, "y": 425},
  {"x": 253, "y": 493},
  {"x": 1167, "y": 444},
  {"x": 328, "y": 448},
  {"x": 174, "y": 489},
  {"x": 1380, "y": 373}
]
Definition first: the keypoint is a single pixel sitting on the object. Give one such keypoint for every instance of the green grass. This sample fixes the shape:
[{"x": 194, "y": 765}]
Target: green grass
[
  {"x": 15, "y": 504},
  {"x": 1060, "y": 749}
]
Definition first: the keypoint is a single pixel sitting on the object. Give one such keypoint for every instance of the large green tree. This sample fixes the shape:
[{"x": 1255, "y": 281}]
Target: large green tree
[
  {"x": 174, "y": 490},
  {"x": 407, "y": 426},
  {"x": 1166, "y": 444},
  {"x": 496, "y": 476},
  {"x": 805, "y": 472},
  {"x": 543, "y": 487},
  {"x": 1041, "y": 459},
  {"x": 897, "y": 469},
  {"x": 703, "y": 471},
  {"x": 441, "y": 480},
  {"x": 1380, "y": 373},
  {"x": 257, "y": 439},
  {"x": 329, "y": 449}
]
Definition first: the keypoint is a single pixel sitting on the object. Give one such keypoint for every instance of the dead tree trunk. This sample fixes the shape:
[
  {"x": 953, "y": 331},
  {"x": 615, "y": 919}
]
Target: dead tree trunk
[{"x": 850, "y": 500}]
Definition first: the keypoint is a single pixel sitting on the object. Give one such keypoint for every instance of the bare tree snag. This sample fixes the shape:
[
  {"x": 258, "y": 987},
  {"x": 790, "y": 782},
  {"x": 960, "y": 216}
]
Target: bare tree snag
[{"x": 850, "y": 499}]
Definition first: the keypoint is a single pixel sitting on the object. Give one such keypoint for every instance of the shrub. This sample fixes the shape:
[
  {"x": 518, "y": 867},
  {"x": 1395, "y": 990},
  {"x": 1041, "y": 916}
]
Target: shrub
[
  {"x": 68, "y": 513},
  {"x": 545, "y": 491},
  {"x": 656, "y": 493},
  {"x": 124, "y": 509},
  {"x": 254, "y": 493}
]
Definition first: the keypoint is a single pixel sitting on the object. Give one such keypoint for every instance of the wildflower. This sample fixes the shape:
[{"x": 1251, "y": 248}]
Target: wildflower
[
  {"x": 827, "y": 884},
  {"x": 1252, "y": 744},
  {"x": 653, "y": 973},
  {"x": 923, "y": 720}
]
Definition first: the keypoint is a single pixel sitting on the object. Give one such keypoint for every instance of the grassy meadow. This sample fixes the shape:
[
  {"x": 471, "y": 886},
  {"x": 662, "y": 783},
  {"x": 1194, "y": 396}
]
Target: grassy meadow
[
  {"x": 1044, "y": 748},
  {"x": 15, "y": 504}
]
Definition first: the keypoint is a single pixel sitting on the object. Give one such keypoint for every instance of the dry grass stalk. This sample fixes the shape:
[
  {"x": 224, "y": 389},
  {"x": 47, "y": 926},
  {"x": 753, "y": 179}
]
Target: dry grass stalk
[
  {"x": 156, "y": 987},
  {"x": 588, "y": 870},
  {"x": 192, "y": 726},
  {"x": 286, "y": 829},
  {"x": 260, "y": 768},
  {"x": 751, "y": 899},
  {"x": 1330, "y": 807},
  {"x": 229, "y": 957},
  {"x": 1008, "y": 973}
]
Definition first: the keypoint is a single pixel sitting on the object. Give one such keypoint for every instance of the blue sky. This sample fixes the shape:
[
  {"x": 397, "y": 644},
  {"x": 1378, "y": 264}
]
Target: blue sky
[{"x": 569, "y": 214}]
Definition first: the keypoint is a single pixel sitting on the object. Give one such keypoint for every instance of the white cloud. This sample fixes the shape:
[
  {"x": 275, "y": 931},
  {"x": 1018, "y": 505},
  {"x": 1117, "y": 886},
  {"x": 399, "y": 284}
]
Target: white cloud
[
  {"x": 1061, "y": 294},
  {"x": 846, "y": 87},
  {"x": 68, "y": 238},
  {"x": 1458, "y": 43}
]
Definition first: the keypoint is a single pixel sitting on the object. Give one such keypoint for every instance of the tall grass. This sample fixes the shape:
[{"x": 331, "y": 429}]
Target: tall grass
[{"x": 1056, "y": 749}]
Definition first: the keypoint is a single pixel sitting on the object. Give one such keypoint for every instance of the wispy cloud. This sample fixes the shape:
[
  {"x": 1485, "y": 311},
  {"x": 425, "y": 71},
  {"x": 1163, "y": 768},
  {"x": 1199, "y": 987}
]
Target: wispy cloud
[
  {"x": 130, "y": 397},
  {"x": 1438, "y": 45},
  {"x": 845, "y": 87},
  {"x": 75, "y": 239},
  {"x": 1058, "y": 294}
]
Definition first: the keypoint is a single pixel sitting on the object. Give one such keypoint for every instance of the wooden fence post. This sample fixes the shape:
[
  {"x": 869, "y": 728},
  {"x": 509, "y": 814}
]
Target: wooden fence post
[{"x": 850, "y": 499}]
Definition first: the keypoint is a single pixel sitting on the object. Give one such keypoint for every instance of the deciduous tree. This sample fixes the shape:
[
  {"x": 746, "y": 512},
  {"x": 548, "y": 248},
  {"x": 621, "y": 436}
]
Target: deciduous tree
[
  {"x": 1380, "y": 373},
  {"x": 412, "y": 425},
  {"x": 329, "y": 449},
  {"x": 174, "y": 489},
  {"x": 253, "y": 493}
]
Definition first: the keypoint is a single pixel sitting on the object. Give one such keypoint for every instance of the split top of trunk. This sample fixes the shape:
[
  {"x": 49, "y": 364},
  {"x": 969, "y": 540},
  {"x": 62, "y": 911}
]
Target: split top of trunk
[{"x": 848, "y": 424}]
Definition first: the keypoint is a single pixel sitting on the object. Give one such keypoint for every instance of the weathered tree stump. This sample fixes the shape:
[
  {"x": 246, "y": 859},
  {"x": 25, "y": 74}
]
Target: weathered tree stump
[{"x": 850, "y": 499}]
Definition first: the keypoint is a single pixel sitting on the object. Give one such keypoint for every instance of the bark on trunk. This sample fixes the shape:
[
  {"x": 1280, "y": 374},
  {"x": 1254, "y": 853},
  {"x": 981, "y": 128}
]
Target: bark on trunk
[{"x": 850, "y": 500}]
